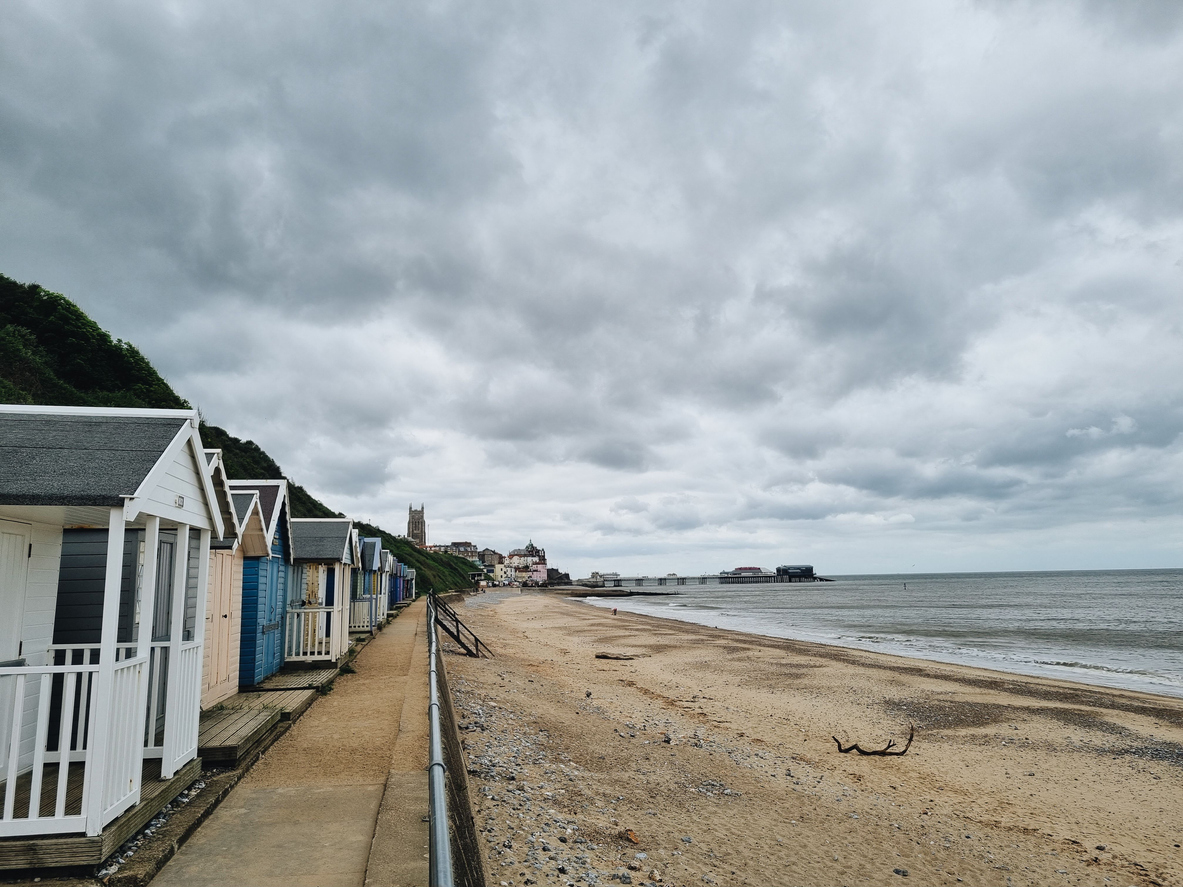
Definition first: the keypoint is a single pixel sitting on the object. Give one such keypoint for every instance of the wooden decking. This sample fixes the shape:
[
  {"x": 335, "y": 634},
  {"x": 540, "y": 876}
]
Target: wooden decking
[
  {"x": 290, "y": 703},
  {"x": 237, "y": 726},
  {"x": 299, "y": 679},
  {"x": 227, "y": 735},
  {"x": 49, "y": 787},
  {"x": 79, "y": 850}
]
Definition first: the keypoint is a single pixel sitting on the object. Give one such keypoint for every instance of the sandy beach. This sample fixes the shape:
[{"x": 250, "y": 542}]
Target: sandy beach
[{"x": 709, "y": 759}]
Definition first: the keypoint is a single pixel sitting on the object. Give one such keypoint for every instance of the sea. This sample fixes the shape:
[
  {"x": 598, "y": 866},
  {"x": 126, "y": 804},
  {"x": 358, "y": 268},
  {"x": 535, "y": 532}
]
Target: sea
[{"x": 1119, "y": 629}]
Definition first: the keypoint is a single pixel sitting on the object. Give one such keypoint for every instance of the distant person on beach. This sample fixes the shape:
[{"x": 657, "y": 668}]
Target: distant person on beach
[{"x": 613, "y": 611}]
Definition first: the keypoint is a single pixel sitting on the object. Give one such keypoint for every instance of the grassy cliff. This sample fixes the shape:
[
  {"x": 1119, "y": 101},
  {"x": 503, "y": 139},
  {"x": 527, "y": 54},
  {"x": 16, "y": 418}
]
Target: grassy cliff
[{"x": 52, "y": 353}]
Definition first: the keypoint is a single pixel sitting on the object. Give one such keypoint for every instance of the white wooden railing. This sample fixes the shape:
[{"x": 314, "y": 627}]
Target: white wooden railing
[
  {"x": 184, "y": 711},
  {"x": 361, "y": 613},
  {"x": 310, "y": 634},
  {"x": 157, "y": 684},
  {"x": 125, "y": 752},
  {"x": 27, "y": 707},
  {"x": 177, "y": 741}
]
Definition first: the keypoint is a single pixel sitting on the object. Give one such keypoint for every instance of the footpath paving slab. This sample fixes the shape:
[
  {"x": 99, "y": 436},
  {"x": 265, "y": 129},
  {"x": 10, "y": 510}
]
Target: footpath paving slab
[{"x": 307, "y": 812}]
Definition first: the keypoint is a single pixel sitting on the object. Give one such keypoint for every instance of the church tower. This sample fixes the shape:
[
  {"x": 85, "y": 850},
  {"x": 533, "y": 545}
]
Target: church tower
[{"x": 416, "y": 525}]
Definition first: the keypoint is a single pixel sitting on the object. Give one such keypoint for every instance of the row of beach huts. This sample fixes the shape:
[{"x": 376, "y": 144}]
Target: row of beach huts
[{"x": 140, "y": 585}]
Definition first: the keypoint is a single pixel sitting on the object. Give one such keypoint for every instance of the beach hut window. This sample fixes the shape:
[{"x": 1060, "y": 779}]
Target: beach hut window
[
  {"x": 163, "y": 609},
  {"x": 191, "y": 577}
]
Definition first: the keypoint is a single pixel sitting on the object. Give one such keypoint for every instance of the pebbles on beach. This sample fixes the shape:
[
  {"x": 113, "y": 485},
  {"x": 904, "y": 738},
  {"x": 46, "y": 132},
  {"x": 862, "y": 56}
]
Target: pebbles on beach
[{"x": 516, "y": 779}]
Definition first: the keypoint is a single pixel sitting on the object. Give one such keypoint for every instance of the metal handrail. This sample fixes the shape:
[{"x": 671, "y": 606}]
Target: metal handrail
[
  {"x": 458, "y": 629},
  {"x": 440, "y": 860}
]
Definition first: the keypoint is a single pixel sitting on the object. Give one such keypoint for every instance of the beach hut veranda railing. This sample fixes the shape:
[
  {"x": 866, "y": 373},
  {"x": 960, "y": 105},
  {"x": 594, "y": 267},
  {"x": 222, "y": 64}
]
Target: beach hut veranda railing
[
  {"x": 310, "y": 633},
  {"x": 363, "y": 601},
  {"x": 95, "y": 712}
]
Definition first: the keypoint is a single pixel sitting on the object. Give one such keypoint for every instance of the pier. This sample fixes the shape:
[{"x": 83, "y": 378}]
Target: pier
[{"x": 728, "y": 578}]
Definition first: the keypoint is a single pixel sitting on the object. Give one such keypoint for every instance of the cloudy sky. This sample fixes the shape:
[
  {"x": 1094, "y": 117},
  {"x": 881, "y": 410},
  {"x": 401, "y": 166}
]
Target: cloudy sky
[{"x": 662, "y": 286}]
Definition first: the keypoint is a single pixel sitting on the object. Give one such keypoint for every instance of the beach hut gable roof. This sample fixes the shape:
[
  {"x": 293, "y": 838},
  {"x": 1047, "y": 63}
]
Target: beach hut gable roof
[
  {"x": 244, "y": 502},
  {"x": 93, "y": 456},
  {"x": 371, "y": 553},
  {"x": 323, "y": 540},
  {"x": 217, "y": 472},
  {"x": 252, "y": 528},
  {"x": 273, "y": 505}
]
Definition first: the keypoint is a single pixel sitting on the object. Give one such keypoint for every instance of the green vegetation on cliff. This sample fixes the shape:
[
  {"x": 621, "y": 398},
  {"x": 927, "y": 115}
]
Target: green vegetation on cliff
[
  {"x": 52, "y": 353},
  {"x": 246, "y": 460}
]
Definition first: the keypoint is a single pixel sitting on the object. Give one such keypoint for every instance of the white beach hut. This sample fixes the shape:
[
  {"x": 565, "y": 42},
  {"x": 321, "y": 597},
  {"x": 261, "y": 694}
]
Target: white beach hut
[
  {"x": 106, "y": 519},
  {"x": 325, "y": 552}
]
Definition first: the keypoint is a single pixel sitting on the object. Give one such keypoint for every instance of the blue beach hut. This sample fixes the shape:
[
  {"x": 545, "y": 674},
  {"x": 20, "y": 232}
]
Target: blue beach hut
[
  {"x": 265, "y": 582},
  {"x": 389, "y": 568},
  {"x": 400, "y": 581}
]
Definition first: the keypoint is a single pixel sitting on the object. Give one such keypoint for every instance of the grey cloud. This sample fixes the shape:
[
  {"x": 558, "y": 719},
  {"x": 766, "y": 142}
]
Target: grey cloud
[
  {"x": 617, "y": 454},
  {"x": 630, "y": 505}
]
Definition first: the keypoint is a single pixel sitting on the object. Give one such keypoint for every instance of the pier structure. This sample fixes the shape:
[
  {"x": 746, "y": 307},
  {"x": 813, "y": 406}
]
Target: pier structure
[{"x": 742, "y": 576}]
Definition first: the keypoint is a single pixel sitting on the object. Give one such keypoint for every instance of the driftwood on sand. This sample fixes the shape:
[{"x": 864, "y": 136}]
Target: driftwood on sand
[
  {"x": 885, "y": 752},
  {"x": 622, "y": 656}
]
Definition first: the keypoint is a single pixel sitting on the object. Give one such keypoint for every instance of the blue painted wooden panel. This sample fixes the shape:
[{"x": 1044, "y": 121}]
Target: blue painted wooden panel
[
  {"x": 254, "y": 570},
  {"x": 264, "y": 608},
  {"x": 275, "y": 608}
]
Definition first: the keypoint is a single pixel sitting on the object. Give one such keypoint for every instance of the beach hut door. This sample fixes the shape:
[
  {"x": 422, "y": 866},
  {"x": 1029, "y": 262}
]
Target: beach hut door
[
  {"x": 218, "y": 623},
  {"x": 272, "y": 649},
  {"x": 14, "y": 567}
]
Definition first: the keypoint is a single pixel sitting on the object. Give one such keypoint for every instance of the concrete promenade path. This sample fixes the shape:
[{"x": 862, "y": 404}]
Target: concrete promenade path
[{"x": 339, "y": 801}]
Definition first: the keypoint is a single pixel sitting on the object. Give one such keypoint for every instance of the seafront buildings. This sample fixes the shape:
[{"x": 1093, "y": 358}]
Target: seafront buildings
[{"x": 524, "y": 566}]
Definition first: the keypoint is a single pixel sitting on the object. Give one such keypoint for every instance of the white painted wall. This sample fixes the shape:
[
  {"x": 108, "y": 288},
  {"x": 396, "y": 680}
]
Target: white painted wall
[{"x": 180, "y": 479}]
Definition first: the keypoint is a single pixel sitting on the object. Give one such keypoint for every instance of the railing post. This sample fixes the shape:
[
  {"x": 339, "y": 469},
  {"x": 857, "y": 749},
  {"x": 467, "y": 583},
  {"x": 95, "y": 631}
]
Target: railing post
[
  {"x": 144, "y": 733},
  {"x": 94, "y": 782}
]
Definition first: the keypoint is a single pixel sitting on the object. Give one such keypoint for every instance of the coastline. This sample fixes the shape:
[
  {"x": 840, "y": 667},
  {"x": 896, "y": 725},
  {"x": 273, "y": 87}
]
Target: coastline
[{"x": 725, "y": 738}]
